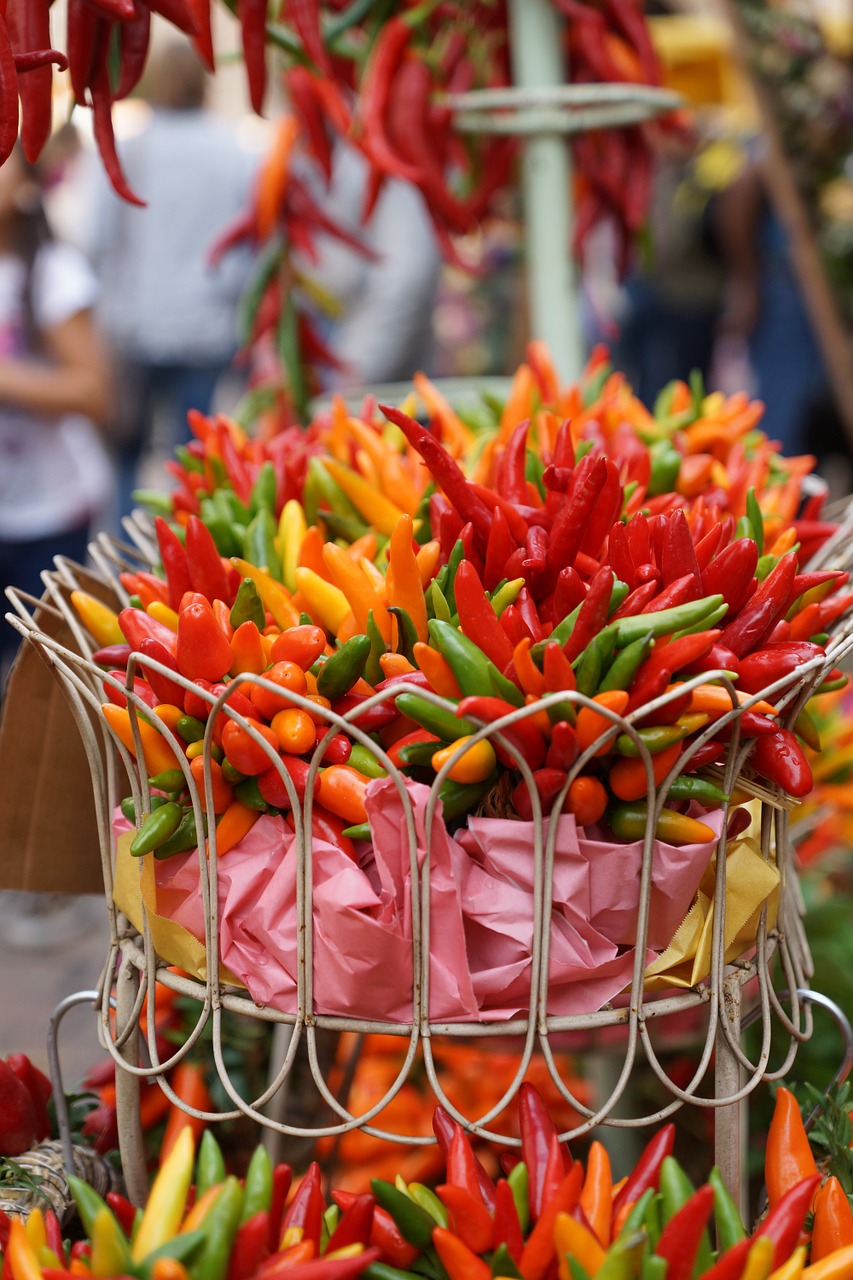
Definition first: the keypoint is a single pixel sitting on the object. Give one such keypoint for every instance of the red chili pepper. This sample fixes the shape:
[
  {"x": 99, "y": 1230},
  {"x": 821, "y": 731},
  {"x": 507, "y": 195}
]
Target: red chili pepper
[
  {"x": 37, "y": 1086},
  {"x": 470, "y": 1220},
  {"x": 731, "y": 573},
  {"x": 82, "y": 39},
  {"x": 524, "y": 734},
  {"x": 141, "y": 688},
  {"x": 708, "y": 546},
  {"x": 718, "y": 657},
  {"x": 764, "y": 666},
  {"x": 445, "y": 1130},
  {"x": 637, "y": 601},
  {"x": 477, "y": 618},
  {"x": 646, "y": 1171},
  {"x": 134, "y": 39},
  {"x": 282, "y": 1176},
  {"x": 124, "y": 1211},
  {"x": 378, "y": 717},
  {"x": 557, "y": 670},
  {"x": 563, "y": 747},
  {"x": 102, "y": 121},
  {"x": 500, "y": 545},
  {"x": 307, "y": 1207},
  {"x": 273, "y": 787},
  {"x": 355, "y": 1224},
  {"x": 540, "y": 1248},
  {"x": 569, "y": 592},
  {"x": 512, "y": 479},
  {"x": 305, "y": 16},
  {"x": 8, "y": 95},
  {"x": 619, "y": 554},
  {"x": 678, "y": 592},
  {"x": 204, "y": 563},
  {"x": 548, "y": 782},
  {"x": 537, "y": 1130},
  {"x": 769, "y": 603},
  {"x": 593, "y": 613},
  {"x": 605, "y": 513},
  {"x": 203, "y": 652},
  {"x": 443, "y": 468},
  {"x": 787, "y": 1217},
  {"x": 385, "y": 1235},
  {"x": 682, "y": 1234},
  {"x": 385, "y": 58},
  {"x": 28, "y": 23},
  {"x": 203, "y": 40},
  {"x": 678, "y": 557},
  {"x": 173, "y": 558},
  {"x": 657, "y": 671},
  {"x": 780, "y": 759},
  {"x": 507, "y": 1227},
  {"x": 136, "y": 626},
  {"x": 329, "y": 827},
  {"x": 178, "y": 12},
  {"x": 570, "y": 524},
  {"x": 249, "y": 1247}
]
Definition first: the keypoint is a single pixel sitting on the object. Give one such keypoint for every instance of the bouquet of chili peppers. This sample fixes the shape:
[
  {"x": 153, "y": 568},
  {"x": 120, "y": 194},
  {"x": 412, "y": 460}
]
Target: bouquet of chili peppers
[
  {"x": 650, "y": 569},
  {"x": 547, "y": 1215}
]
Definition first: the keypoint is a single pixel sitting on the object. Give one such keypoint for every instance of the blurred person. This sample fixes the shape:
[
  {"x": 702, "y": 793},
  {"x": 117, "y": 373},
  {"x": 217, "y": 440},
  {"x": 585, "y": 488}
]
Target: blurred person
[
  {"x": 54, "y": 469},
  {"x": 169, "y": 318},
  {"x": 382, "y": 326},
  {"x": 54, "y": 386}
]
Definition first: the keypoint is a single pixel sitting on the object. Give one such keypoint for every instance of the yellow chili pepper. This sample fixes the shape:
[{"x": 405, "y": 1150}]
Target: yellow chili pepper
[
  {"x": 98, "y": 618},
  {"x": 326, "y": 603},
  {"x": 573, "y": 1238},
  {"x": 36, "y": 1233},
  {"x": 21, "y": 1254},
  {"x": 793, "y": 1268},
  {"x": 162, "y": 613},
  {"x": 291, "y": 530},
  {"x": 835, "y": 1266},
  {"x": 168, "y": 1197},
  {"x": 380, "y": 511},
  {"x": 474, "y": 765},
  {"x": 759, "y": 1260},
  {"x": 360, "y": 593},
  {"x": 274, "y": 597},
  {"x": 110, "y": 1252}
]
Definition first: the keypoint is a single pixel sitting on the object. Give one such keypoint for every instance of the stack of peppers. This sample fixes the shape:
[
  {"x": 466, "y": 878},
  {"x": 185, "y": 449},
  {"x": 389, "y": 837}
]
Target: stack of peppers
[
  {"x": 585, "y": 568},
  {"x": 546, "y": 1216}
]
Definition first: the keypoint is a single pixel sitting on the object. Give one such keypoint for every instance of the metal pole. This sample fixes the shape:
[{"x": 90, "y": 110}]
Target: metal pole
[{"x": 537, "y": 61}]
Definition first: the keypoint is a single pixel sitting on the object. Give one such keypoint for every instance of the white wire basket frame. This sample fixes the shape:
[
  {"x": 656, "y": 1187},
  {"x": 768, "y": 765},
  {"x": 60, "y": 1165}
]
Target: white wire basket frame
[{"x": 133, "y": 969}]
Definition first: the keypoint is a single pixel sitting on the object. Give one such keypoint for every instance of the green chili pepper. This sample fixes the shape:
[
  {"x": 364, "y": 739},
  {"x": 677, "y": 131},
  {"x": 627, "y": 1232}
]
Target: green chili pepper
[
  {"x": 259, "y": 543},
  {"x": 338, "y": 525},
  {"x": 210, "y": 1163},
  {"x": 756, "y": 519},
  {"x": 503, "y": 687},
  {"x": 675, "y": 1190},
  {"x": 339, "y": 673},
  {"x": 534, "y": 470},
  {"x": 184, "y": 839},
  {"x": 190, "y": 729},
  {"x": 469, "y": 664},
  {"x": 373, "y": 672},
  {"x": 653, "y": 1267},
  {"x": 591, "y": 389},
  {"x": 653, "y": 1221},
  {"x": 503, "y": 1265},
  {"x": 666, "y": 464},
  {"x": 830, "y": 686},
  {"x": 230, "y": 774},
  {"x": 324, "y": 489},
  {"x": 257, "y": 1188},
  {"x": 635, "y": 1219},
  {"x": 170, "y": 780},
  {"x": 437, "y": 603},
  {"x": 219, "y": 1229},
  {"x": 182, "y": 1248},
  {"x": 505, "y": 595},
  {"x": 160, "y": 824},
  {"x": 129, "y": 810},
  {"x": 618, "y": 593},
  {"x": 654, "y": 739},
  {"x": 629, "y": 822},
  {"x": 444, "y": 724},
  {"x": 89, "y": 1205},
  {"x": 360, "y": 831},
  {"x": 626, "y": 664},
  {"x": 407, "y": 636},
  {"x": 159, "y": 504},
  {"x": 623, "y": 1258},
  {"x": 727, "y": 1219},
  {"x": 230, "y": 507},
  {"x": 248, "y": 793},
  {"x": 593, "y": 660},
  {"x": 519, "y": 1184},
  {"x": 576, "y": 1270},
  {"x": 330, "y": 1220},
  {"x": 805, "y": 727},
  {"x": 428, "y": 1200},
  {"x": 264, "y": 490},
  {"x": 420, "y": 753},
  {"x": 248, "y": 606},
  {"x": 765, "y": 565},
  {"x": 664, "y": 621},
  {"x": 710, "y": 620},
  {"x": 414, "y": 1222},
  {"x": 188, "y": 460},
  {"x": 743, "y": 529},
  {"x": 382, "y": 1271},
  {"x": 690, "y": 787},
  {"x": 458, "y": 797},
  {"x": 363, "y": 759}
]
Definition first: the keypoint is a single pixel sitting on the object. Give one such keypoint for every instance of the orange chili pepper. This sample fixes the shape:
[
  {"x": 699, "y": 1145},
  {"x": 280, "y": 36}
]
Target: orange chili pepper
[
  {"x": 404, "y": 579},
  {"x": 628, "y": 779},
  {"x": 248, "y": 650},
  {"x": 460, "y": 1262},
  {"x": 833, "y": 1220},
  {"x": 586, "y": 798},
  {"x": 157, "y": 753},
  {"x": 428, "y": 557},
  {"x": 591, "y": 724},
  {"x": 597, "y": 1194},
  {"x": 222, "y": 792},
  {"x": 236, "y": 822},
  {"x": 436, "y": 668},
  {"x": 395, "y": 664},
  {"x": 788, "y": 1158},
  {"x": 530, "y": 678},
  {"x": 189, "y": 1082},
  {"x": 340, "y": 789}
]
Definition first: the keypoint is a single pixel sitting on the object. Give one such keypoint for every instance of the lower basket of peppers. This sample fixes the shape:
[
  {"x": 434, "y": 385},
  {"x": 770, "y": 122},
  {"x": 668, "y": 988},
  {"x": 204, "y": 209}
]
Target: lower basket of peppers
[{"x": 546, "y": 1216}]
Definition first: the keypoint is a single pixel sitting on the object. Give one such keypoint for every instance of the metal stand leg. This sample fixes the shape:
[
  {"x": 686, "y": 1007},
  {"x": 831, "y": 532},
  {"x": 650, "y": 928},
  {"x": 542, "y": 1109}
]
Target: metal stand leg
[
  {"x": 729, "y": 1127},
  {"x": 130, "y": 1139},
  {"x": 59, "y": 1101}
]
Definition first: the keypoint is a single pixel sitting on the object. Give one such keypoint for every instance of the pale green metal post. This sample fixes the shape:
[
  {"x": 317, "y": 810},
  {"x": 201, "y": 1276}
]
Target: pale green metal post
[{"x": 553, "y": 299}]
